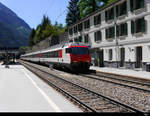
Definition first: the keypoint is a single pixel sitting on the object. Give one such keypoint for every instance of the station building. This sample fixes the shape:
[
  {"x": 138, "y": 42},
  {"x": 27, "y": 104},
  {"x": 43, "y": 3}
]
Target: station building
[{"x": 118, "y": 33}]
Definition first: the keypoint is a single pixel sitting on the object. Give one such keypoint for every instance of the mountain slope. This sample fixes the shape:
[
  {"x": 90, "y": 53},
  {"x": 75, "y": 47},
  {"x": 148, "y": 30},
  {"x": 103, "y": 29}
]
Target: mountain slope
[{"x": 14, "y": 32}]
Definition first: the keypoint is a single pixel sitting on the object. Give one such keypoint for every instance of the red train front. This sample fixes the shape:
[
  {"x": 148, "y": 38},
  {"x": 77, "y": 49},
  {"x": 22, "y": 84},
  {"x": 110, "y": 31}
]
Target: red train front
[{"x": 80, "y": 57}]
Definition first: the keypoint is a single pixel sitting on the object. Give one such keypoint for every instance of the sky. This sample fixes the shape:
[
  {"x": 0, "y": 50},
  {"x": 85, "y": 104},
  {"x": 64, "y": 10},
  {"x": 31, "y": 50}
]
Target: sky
[{"x": 32, "y": 11}]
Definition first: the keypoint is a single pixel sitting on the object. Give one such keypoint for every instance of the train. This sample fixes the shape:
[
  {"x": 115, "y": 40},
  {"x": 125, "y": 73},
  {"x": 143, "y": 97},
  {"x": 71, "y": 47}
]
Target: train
[{"x": 72, "y": 56}]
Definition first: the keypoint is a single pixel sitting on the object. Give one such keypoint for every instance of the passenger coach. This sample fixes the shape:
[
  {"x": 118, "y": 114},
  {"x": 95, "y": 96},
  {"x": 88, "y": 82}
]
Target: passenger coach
[{"x": 74, "y": 56}]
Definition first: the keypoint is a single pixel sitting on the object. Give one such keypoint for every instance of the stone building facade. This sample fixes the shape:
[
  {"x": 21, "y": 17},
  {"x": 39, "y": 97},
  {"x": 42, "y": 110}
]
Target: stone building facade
[{"x": 119, "y": 34}]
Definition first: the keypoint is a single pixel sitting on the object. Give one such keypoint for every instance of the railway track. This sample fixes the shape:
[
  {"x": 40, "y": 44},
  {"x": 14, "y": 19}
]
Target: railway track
[
  {"x": 122, "y": 82},
  {"x": 87, "y": 99}
]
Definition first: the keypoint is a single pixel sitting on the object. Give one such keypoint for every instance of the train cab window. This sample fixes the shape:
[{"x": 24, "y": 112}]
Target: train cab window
[
  {"x": 80, "y": 51},
  {"x": 68, "y": 50}
]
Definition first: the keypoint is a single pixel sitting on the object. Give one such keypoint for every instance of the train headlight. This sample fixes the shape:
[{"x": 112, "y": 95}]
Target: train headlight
[{"x": 75, "y": 61}]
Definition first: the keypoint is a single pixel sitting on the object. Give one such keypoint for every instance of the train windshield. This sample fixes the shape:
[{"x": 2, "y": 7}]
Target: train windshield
[{"x": 80, "y": 51}]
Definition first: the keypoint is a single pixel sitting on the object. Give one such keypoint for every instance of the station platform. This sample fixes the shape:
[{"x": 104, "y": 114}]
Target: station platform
[
  {"x": 123, "y": 72},
  {"x": 22, "y": 91}
]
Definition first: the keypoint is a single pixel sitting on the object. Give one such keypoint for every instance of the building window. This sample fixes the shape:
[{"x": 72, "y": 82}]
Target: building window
[
  {"x": 80, "y": 39},
  {"x": 136, "y": 4},
  {"x": 71, "y": 41},
  {"x": 138, "y": 26},
  {"x": 87, "y": 24},
  {"x": 98, "y": 36},
  {"x": 121, "y": 9},
  {"x": 110, "y": 54},
  {"x": 86, "y": 38},
  {"x": 97, "y": 19},
  {"x": 75, "y": 39},
  {"x": 109, "y": 14},
  {"x": 122, "y": 30},
  {"x": 110, "y": 32},
  {"x": 75, "y": 29},
  {"x": 71, "y": 31},
  {"x": 80, "y": 27}
]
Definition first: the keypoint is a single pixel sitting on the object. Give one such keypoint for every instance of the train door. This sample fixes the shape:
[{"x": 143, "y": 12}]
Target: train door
[
  {"x": 39, "y": 57},
  {"x": 139, "y": 57},
  {"x": 66, "y": 56},
  {"x": 122, "y": 57},
  {"x": 60, "y": 55}
]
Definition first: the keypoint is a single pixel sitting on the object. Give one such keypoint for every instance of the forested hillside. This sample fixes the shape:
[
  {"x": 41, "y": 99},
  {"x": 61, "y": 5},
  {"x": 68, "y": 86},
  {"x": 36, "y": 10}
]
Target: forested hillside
[{"x": 14, "y": 32}]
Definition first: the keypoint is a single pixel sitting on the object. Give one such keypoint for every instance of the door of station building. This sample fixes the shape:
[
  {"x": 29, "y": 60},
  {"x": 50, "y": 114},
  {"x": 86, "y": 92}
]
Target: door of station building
[
  {"x": 99, "y": 58},
  {"x": 102, "y": 58},
  {"x": 139, "y": 57},
  {"x": 122, "y": 57}
]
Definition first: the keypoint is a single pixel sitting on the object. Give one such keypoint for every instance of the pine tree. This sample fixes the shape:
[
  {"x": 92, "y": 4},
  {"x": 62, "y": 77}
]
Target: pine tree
[
  {"x": 45, "y": 22},
  {"x": 31, "y": 38},
  {"x": 73, "y": 14}
]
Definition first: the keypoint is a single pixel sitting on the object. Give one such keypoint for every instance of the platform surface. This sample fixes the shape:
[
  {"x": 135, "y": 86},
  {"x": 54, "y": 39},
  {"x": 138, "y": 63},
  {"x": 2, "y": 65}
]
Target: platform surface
[
  {"x": 22, "y": 91},
  {"x": 125, "y": 72}
]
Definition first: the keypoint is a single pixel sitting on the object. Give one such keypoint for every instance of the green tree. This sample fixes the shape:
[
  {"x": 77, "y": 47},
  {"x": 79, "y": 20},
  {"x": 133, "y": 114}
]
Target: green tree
[
  {"x": 38, "y": 34},
  {"x": 49, "y": 30},
  {"x": 59, "y": 27},
  {"x": 45, "y": 21},
  {"x": 31, "y": 38},
  {"x": 44, "y": 30},
  {"x": 22, "y": 50},
  {"x": 73, "y": 14},
  {"x": 88, "y": 6}
]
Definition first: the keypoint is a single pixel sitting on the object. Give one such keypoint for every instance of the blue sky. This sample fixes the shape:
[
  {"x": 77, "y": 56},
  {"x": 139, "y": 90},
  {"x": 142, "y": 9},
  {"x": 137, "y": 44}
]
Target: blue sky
[{"x": 32, "y": 11}]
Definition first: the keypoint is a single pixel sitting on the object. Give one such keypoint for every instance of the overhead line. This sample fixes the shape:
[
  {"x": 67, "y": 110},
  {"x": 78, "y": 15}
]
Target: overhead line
[
  {"x": 61, "y": 13},
  {"x": 50, "y": 6}
]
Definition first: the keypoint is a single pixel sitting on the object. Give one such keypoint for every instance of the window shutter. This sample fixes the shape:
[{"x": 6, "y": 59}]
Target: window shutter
[
  {"x": 126, "y": 29},
  {"x": 142, "y": 3},
  {"x": 112, "y": 13},
  {"x": 95, "y": 36},
  {"x": 131, "y": 5},
  {"x": 125, "y": 7},
  {"x": 85, "y": 25},
  {"x": 113, "y": 32},
  {"x": 94, "y": 20},
  {"x": 81, "y": 27},
  {"x": 87, "y": 22},
  {"x": 143, "y": 25},
  {"x": 117, "y": 11},
  {"x": 99, "y": 19},
  {"x": 117, "y": 31},
  {"x": 106, "y": 33},
  {"x": 106, "y": 18},
  {"x": 99, "y": 36},
  {"x": 132, "y": 27}
]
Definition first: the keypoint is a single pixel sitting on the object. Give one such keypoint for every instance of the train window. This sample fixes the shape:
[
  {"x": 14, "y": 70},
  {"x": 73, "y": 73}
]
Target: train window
[
  {"x": 50, "y": 54},
  {"x": 68, "y": 50},
  {"x": 57, "y": 54},
  {"x": 80, "y": 51},
  {"x": 46, "y": 55}
]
